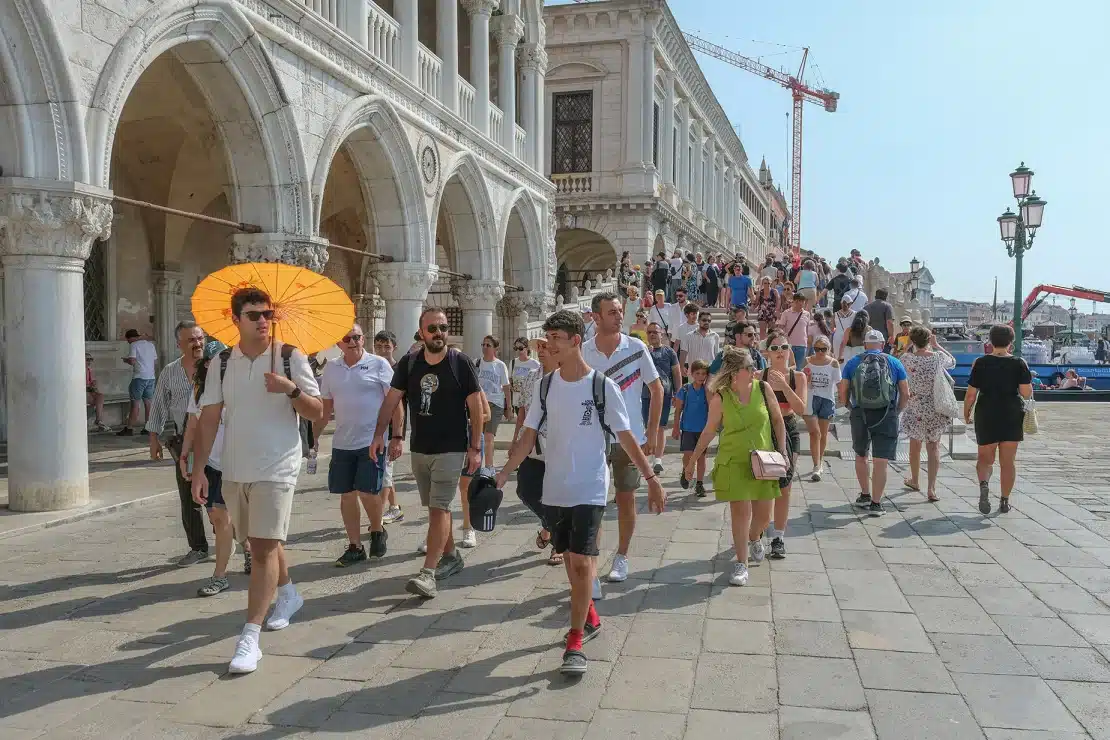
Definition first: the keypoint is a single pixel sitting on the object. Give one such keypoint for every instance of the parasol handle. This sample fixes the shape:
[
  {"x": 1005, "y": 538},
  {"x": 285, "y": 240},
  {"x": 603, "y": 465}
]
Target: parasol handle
[{"x": 273, "y": 360}]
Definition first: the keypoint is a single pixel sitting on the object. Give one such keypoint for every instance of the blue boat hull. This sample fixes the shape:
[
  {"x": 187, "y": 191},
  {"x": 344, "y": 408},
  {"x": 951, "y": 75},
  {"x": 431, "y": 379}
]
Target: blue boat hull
[{"x": 1098, "y": 376}]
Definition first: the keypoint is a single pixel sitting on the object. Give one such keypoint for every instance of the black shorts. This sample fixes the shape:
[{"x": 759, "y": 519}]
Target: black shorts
[
  {"x": 215, "y": 488},
  {"x": 353, "y": 470},
  {"x": 529, "y": 487},
  {"x": 688, "y": 441},
  {"x": 575, "y": 529},
  {"x": 875, "y": 430}
]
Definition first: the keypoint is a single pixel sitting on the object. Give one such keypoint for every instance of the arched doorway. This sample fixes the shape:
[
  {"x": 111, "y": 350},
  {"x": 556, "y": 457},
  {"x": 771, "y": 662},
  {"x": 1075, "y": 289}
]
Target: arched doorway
[{"x": 579, "y": 255}]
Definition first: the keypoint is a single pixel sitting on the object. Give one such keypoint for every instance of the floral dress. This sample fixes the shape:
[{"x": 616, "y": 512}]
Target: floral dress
[
  {"x": 692, "y": 274},
  {"x": 920, "y": 420},
  {"x": 768, "y": 306}
]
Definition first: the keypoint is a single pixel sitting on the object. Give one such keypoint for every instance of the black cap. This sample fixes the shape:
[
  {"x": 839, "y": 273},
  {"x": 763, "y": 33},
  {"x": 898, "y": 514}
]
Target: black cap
[
  {"x": 131, "y": 334},
  {"x": 485, "y": 498}
]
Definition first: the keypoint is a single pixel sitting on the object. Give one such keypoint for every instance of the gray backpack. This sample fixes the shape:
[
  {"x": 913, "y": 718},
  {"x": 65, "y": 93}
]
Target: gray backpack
[{"x": 872, "y": 382}]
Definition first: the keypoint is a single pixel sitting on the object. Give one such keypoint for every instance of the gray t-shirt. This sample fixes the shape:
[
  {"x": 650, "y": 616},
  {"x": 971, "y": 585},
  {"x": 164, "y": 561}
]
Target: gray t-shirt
[{"x": 880, "y": 312}]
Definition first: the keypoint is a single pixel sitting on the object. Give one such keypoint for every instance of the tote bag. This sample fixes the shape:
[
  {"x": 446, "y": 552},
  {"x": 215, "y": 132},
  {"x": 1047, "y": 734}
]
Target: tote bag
[{"x": 944, "y": 398}]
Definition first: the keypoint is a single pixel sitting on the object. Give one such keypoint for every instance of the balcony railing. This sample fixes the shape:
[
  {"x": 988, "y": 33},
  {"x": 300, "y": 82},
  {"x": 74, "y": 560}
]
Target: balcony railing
[
  {"x": 495, "y": 121},
  {"x": 429, "y": 65},
  {"x": 384, "y": 36},
  {"x": 328, "y": 9},
  {"x": 519, "y": 140},
  {"x": 466, "y": 101},
  {"x": 575, "y": 182}
]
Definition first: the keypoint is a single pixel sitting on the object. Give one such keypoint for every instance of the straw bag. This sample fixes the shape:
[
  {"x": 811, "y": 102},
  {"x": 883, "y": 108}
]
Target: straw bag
[
  {"x": 1029, "y": 424},
  {"x": 944, "y": 398}
]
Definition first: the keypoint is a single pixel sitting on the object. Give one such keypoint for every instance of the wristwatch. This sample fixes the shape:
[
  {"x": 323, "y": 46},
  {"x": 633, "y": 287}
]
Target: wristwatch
[{"x": 294, "y": 394}]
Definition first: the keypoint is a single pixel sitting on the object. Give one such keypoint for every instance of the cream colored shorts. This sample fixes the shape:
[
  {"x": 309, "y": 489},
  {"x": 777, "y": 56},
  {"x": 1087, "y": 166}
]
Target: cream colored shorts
[{"x": 260, "y": 510}]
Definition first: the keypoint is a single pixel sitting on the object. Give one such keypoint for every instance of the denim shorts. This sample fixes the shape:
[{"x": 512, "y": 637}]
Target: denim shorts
[
  {"x": 877, "y": 430},
  {"x": 353, "y": 470},
  {"x": 141, "y": 389},
  {"x": 823, "y": 408},
  {"x": 665, "y": 416}
]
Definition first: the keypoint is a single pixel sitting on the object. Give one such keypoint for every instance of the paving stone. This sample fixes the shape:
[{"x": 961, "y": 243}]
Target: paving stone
[
  {"x": 705, "y": 724},
  {"x": 54, "y": 704},
  {"x": 359, "y": 661},
  {"x": 1067, "y": 598},
  {"x": 437, "y": 649},
  {"x": 981, "y": 654},
  {"x": 949, "y": 615},
  {"x": 650, "y": 684},
  {"x": 807, "y": 723},
  {"x": 885, "y": 669},
  {"x": 1094, "y": 627},
  {"x": 983, "y": 574},
  {"x": 902, "y": 715},
  {"x": 1095, "y": 579},
  {"x": 497, "y": 672},
  {"x": 886, "y": 631},
  {"x": 746, "y": 683},
  {"x": 610, "y": 723},
  {"x": 817, "y": 639},
  {"x": 665, "y": 636},
  {"x": 1020, "y": 602},
  {"x": 860, "y": 559},
  {"x": 1067, "y": 664},
  {"x": 961, "y": 554},
  {"x": 307, "y": 703},
  {"x": 558, "y": 698},
  {"x": 1014, "y": 702},
  {"x": 109, "y": 719},
  {"x": 344, "y": 724},
  {"x": 671, "y": 599},
  {"x": 828, "y": 683},
  {"x": 729, "y": 636},
  {"x": 1087, "y": 702},
  {"x": 526, "y": 728},
  {"x": 867, "y": 591},
  {"x": 800, "y": 583},
  {"x": 806, "y": 607},
  {"x": 1039, "y": 631},
  {"x": 220, "y": 706},
  {"x": 746, "y": 603},
  {"x": 397, "y": 692},
  {"x": 917, "y": 580},
  {"x": 455, "y": 715},
  {"x": 996, "y": 734},
  {"x": 796, "y": 562}
]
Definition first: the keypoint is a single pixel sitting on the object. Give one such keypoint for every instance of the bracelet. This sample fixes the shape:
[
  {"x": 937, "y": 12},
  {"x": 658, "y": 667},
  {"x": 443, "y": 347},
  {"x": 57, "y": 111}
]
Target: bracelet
[{"x": 651, "y": 477}]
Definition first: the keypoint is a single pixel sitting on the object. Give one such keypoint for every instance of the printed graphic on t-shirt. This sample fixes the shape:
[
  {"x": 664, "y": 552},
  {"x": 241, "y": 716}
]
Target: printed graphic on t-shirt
[
  {"x": 429, "y": 384},
  {"x": 625, "y": 382},
  {"x": 490, "y": 378},
  {"x": 818, "y": 381},
  {"x": 588, "y": 413}
]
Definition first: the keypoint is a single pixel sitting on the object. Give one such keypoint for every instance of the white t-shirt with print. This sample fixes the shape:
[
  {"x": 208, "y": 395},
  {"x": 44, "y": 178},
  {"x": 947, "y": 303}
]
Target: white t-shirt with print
[
  {"x": 631, "y": 367},
  {"x": 218, "y": 443},
  {"x": 521, "y": 381},
  {"x": 493, "y": 377},
  {"x": 574, "y": 438},
  {"x": 145, "y": 355},
  {"x": 262, "y": 440},
  {"x": 358, "y": 392},
  {"x": 823, "y": 380}
]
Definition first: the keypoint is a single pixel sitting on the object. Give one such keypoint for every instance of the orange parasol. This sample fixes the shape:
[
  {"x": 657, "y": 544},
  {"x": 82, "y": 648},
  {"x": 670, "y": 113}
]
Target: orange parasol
[{"x": 311, "y": 312}]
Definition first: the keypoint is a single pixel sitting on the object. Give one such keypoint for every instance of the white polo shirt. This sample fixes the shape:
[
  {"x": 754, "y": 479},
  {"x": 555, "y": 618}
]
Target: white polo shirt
[
  {"x": 262, "y": 440},
  {"x": 358, "y": 392},
  {"x": 630, "y": 366}
]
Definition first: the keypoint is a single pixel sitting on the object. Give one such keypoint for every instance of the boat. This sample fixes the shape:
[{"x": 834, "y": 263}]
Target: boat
[
  {"x": 1051, "y": 395},
  {"x": 966, "y": 351}
]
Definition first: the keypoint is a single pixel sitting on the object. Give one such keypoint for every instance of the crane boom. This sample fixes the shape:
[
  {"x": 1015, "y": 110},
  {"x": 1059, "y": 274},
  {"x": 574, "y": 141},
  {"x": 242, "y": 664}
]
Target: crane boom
[
  {"x": 1034, "y": 299},
  {"x": 801, "y": 93}
]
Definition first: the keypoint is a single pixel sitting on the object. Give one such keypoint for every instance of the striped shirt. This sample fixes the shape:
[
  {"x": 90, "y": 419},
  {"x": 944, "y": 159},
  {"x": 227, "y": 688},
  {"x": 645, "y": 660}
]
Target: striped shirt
[{"x": 171, "y": 399}]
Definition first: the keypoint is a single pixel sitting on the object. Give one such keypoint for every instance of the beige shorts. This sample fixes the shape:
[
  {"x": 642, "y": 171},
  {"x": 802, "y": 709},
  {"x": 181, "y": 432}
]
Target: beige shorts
[
  {"x": 260, "y": 510},
  {"x": 626, "y": 477},
  {"x": 437, "y": 478}
]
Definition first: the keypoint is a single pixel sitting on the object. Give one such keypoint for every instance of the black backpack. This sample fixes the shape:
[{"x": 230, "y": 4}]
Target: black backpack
[
  {"x": 660, "y": 274},
  {"x": 598, "y": 388}
]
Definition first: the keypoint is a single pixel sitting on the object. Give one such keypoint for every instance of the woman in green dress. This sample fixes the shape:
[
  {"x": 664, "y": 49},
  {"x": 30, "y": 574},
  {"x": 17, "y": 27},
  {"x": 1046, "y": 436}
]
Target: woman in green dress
[{"x": 745, "y": 410}]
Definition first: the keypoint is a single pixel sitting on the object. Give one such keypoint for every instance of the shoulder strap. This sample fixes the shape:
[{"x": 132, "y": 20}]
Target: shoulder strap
[
  {"x": 545, "y": 386},
  {"x": 599, "y": 402},
  {"x": 286, "y": 353},
  {"x": 800, "y": 315},
  {"x": 792, "y": 386},
  {"x": 478, "y": 363},
  {"x": 453, "y": 362},
  {"x": 224, "y": 357}
]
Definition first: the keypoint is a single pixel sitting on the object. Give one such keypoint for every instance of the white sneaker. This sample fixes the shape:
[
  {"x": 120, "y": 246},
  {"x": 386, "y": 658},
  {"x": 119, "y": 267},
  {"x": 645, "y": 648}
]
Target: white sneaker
[
  {"x": 756, "y": 551},
  {"x": 739, "y": 575},
  {"x": 284, "y": 610},
  {"x": 815, "y": 476},
  {"x": 422, "y": 548},
  {"x": 597, "y": 595},
  {"x": 620, "y": 569},
  {"x": 469, "y": 538},
  {"x": 246, "y": 655}
]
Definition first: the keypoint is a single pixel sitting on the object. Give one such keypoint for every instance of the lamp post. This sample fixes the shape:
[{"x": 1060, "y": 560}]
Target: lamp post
[
  {"x": 1072, "y": 313},
  {"x": 1018, "y": 230}
]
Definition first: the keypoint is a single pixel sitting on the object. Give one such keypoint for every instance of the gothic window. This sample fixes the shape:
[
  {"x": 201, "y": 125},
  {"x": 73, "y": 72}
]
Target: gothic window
[
  {"x": 96, "y": 293},
  {"x": 572, "y": 140},
  {"x": 655, "y": 135}
]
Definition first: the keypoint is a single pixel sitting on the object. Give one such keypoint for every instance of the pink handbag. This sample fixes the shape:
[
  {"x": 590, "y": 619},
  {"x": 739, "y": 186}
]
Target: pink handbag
[{"x": 768, "y": 465}]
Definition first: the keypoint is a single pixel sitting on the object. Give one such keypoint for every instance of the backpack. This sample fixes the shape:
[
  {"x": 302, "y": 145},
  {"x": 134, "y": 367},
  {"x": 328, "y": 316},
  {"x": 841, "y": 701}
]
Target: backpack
[
  {"x": 304, "y": 426},
  {"x": 660, "y": 274},
  {"x": 598, "y": 388},
  {"x": 872, "y": 382}
]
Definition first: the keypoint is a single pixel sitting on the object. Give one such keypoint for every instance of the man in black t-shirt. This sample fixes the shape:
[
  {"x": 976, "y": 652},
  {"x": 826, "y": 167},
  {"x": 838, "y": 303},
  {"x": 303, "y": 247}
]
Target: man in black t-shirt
[
  {"x": 443, "y": 397},
  {"x": 840, "y": 284}
]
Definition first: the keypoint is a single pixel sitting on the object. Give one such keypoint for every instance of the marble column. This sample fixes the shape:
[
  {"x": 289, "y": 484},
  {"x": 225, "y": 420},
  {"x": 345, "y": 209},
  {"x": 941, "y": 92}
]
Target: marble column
[
  {"x": 304, "y": 251},
  {"x": 508, "y": 29},
  {"x": 697, "y": 187},
  {"x": 533, "y": 66},
  {"x": 447, "y": 47},
  {"x": 404, "y": 286},
  {"x": 480, "y": 11},
  {"x": 666, "y": 125},
  {"x": 683, "y": 177},
  {"x": 167, "y": 291},
  {"x": 46, "y": 233},
  {"x": 352, "y": 19},
  {"x": 634, "y": 103},
  {"x": 478, "y": 299},
  {"x": 648, "y": 80},
  {"x": 407, "y": 14}
]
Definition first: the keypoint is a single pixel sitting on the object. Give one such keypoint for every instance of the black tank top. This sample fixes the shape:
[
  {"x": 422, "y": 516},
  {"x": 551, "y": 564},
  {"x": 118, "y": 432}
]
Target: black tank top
[{"x": 784, "y": 405}]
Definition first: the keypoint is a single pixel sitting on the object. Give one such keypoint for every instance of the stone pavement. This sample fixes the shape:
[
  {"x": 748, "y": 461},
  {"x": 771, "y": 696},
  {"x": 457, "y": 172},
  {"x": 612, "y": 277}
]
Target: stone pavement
[{"x": 929, "y": 622}]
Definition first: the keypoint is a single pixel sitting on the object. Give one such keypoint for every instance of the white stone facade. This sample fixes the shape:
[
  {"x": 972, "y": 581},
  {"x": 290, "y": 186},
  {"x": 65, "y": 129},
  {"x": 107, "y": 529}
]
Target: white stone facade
[
  {"x": 669, "y": 172},
  {"x": 411, "y": 130}
]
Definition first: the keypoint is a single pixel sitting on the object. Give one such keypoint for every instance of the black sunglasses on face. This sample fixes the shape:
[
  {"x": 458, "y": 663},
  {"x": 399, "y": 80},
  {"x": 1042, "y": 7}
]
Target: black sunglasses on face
[
  {"x": 520, "y": 348},
  {"x": 820, "y": 349},
  {"x": 437, "y": 328},
  {"x": 352, "y": 338},
  {"x": 268, "y": 314}
]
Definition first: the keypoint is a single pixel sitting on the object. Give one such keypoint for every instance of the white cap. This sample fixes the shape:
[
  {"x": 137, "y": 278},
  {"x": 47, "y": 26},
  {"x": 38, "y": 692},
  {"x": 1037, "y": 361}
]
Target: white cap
[{"x": 874, "y": 337}]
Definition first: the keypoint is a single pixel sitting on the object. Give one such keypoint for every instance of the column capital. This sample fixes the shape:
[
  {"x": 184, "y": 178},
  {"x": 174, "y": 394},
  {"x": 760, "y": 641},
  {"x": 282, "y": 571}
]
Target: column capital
[
  {"x": 52, "y": 218},
  {"x": 167, "y": 281},
  {"x": 405, "y": 281},
  {"x": 480, "y": 7},
  {"x": 507, "y": 29},
  {"x": 303, "y": 251},
  {"x": 537, "y": 303},
  {"x": 478, "y": 295},
  {"x": 533, "y": 56}
]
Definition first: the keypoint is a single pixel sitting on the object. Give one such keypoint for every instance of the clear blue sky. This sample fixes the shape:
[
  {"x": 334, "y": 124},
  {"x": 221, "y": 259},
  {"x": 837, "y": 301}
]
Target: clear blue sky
[{"x": 939, "y": 102}]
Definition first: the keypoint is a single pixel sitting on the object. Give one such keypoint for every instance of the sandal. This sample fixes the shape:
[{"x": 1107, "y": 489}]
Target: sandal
[
  {"x": 542, "y": 543},
  {"x": 213, "y": 587},
  {"x": 911, "y": 486},
  {"x": 555, "y": 559},
  {"x": 932, "y": 498}
]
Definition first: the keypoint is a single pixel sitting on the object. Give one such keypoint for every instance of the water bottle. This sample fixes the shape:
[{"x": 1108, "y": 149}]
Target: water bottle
[{"x": 312, "y": 462}]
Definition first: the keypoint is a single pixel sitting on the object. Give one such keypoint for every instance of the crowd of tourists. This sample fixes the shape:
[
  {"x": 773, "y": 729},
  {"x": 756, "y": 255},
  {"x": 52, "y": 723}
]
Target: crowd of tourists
[{"x": 595, "y": 400}]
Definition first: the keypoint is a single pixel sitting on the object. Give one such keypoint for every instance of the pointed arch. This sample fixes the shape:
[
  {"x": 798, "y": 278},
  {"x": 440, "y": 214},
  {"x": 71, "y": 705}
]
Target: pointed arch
[
  {"x": 471, "y": 218},
  {"x": 223, "y": 54},
  {"x": 520, "y": 238}
]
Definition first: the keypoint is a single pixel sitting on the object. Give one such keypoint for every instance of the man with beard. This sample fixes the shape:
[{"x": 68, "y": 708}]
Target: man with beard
[
  {"x": 445, "y": 409},
  {"x": 171, "y": 403}
]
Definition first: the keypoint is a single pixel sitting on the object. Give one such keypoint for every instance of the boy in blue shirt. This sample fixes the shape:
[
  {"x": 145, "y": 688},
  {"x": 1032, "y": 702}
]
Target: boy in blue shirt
[{"x": 691, "y": 414}]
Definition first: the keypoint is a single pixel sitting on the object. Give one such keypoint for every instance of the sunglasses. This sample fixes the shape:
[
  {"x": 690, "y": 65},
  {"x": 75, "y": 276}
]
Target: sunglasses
[
  {"x": 268, "y": 314},
  {"x": 520, "y": 348},
  {"x": 820, "y": 349},
  {"x": 777, "y": 347},
  {"x": 352, "y": 338},
  {"x": 438, "y": 328}
]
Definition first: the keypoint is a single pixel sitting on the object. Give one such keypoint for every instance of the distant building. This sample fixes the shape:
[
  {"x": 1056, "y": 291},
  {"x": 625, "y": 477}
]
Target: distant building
[{"x": 778, "y": 233}]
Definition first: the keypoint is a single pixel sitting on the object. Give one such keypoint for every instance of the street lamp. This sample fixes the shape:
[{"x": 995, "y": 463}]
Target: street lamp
[
  {"x": 1072, "y": 313},
  {"x": 1017, "y": 232}
]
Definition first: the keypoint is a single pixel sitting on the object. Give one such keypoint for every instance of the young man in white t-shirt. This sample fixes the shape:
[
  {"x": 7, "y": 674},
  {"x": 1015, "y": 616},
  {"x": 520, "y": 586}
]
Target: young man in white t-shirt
[
  {"x": 493, "y": 376},
  {"x": 142, "y": 356},
  {"x": 574, "y": 501},
  {"x": 261, "y": 457},
  {"x": 354, "y": 387},
  {"x": 627, "y": 361}
]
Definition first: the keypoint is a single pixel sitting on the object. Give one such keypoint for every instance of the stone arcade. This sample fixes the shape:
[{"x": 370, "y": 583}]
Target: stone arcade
[{"x": 402, "y": 128}]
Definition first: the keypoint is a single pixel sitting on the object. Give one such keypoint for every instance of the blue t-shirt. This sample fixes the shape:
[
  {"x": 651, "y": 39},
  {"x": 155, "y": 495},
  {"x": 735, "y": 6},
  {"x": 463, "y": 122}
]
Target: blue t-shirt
[
  {"x": 665, "y": 359},
  {"x": 695, "y": 408},
  {"x": 739, "y": 285},
  {"x": 897, "y": 371}
]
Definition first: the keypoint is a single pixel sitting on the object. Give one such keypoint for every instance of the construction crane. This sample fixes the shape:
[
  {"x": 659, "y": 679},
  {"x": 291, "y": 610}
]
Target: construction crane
[{"x": 801, "y": 93}]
